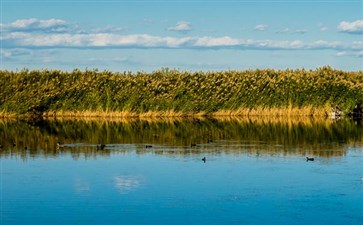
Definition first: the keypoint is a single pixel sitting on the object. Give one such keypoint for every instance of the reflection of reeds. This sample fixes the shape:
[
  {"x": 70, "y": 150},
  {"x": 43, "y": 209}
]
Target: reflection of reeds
[
  {"x": 274, "y": 135},
  {"x": 288, "y": 120},
  {"x": 337, "y": 151}
]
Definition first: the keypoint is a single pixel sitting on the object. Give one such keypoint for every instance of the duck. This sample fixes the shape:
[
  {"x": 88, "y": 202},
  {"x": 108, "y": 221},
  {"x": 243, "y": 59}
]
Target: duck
[
  {"x": 101, "y": 147},
  {"x": 204, "y": 159},
  {"x": 309, "y": 159},
  {"x": 59, "y": 145},
  {"x": 193, "y": 145},
  {"x": 148, "y": 146}
]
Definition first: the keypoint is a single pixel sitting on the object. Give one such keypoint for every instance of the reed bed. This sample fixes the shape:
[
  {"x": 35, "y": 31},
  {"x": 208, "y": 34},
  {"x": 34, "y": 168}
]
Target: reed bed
[
  {"x": 174, "y": 93},
  {"x": 290, "y": 120}
]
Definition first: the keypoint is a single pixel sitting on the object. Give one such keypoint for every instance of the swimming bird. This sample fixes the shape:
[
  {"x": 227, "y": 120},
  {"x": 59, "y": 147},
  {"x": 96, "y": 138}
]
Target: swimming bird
[
  {"x": 309, "y": 159},
  {"x": 193, "y": 145},
  {"x": 209, "y": 140},
  {"x": 204, "y": 159},
  {"x": 59, "y": 145},
  {"x": 148, "y": 146},
  {"x": 101, "y": 147}
]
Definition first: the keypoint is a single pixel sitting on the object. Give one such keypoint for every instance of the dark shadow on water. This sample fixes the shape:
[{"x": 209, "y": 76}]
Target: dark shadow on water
[{"x": 259, "y": 137}]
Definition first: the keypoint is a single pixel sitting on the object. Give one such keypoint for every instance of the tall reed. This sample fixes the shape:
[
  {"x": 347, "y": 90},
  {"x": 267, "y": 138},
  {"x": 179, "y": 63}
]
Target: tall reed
[{"x": 179, "y": 93}]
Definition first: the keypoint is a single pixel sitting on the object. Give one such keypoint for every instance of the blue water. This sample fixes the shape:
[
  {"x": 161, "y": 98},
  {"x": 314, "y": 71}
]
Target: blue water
[
  {"x": 130, "y": 188},
  {"x": 255, "y": 172}
]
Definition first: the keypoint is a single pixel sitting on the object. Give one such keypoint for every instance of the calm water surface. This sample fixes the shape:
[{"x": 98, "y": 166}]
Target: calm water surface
[{"x": 255, "y": 172}]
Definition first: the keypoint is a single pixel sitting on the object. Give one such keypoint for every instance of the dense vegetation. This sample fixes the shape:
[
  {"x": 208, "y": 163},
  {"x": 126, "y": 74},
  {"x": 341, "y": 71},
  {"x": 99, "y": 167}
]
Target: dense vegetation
[{"x": 41, "y": 91}]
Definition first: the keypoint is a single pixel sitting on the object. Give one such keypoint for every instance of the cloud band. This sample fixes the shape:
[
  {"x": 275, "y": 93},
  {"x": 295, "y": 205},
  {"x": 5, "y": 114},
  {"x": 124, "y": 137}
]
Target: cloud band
[{"x": 106, "y": 40}]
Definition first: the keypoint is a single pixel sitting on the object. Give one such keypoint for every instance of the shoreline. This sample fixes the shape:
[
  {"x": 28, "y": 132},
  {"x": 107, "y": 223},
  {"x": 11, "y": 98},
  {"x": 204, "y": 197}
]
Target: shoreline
[{"x": 256, "y": 112}]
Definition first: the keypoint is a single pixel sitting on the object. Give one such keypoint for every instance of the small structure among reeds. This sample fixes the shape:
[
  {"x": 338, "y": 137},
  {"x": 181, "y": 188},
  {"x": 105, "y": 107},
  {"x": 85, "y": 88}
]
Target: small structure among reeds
[
  {"x": 336, "y": 112},
  {"x": 357, "y": 112}
]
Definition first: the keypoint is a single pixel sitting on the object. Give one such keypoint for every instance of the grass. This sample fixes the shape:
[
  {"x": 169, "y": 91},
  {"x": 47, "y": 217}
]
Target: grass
[{"x": 174, "y": 93}]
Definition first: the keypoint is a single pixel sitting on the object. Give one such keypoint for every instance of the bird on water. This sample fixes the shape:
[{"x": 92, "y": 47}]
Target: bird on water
[
  {"x": 204, "y": 159},
  {"x": 59, "y": 145},
  {"x": 101, "y": 147},
  {"x": 309, "y": 159}
]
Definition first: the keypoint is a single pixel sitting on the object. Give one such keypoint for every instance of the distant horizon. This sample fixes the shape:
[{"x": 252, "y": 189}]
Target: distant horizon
[{"x": 208, "y": 35}]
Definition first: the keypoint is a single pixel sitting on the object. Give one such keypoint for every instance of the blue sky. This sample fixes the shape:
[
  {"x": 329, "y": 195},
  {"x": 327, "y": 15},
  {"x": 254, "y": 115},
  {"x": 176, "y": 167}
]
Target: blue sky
[{"x": 188, "y": 35}]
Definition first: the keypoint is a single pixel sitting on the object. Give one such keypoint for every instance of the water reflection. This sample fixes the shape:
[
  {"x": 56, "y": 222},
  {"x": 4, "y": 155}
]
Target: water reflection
[
  {"x": 124, "y": 184},
  {"x": 80, "y": 137},
  {"x": 81, "y": 185}
]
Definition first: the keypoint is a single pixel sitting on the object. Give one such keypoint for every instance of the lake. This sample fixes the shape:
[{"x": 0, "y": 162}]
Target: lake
[{"x": 152, "y": 172}]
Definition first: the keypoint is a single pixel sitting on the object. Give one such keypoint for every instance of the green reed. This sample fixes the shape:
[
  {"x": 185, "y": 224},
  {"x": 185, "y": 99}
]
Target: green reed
[{"x": 38, "y": 91}]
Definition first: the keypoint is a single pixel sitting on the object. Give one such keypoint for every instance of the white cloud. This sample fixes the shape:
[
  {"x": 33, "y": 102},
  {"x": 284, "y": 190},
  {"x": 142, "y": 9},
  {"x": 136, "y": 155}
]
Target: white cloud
[
  {"x": 351, "y": 53},
  {"x": 359, "y": 54},
  {"x": 355, "y": 27},
  {"x": 357, "y": 45},
  {"x": 321, "y": 44},
  {"x": 260, "y": 27},
  {"x": 91, "y": 40},
  {"x": 181, "y": 26},
  {"x": 102, "y": 40},
  {"x": 32, "y": 24},
  {"x": 126, "y": 183},
  {"x": 36, "y": 23},
  {"x": 108, "y": 29},
  {"x": 289, "y": 31},
  {"x": 15, "y": 52},
  {"x": 5, "y": 53},
  {"x": 20, "y": 35},
  {"x": 322, "y": 27},
  {"x": 215, "y": 42},
  {"x": 342, "y": 53},
  {"x": 283, "y": 31}
]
